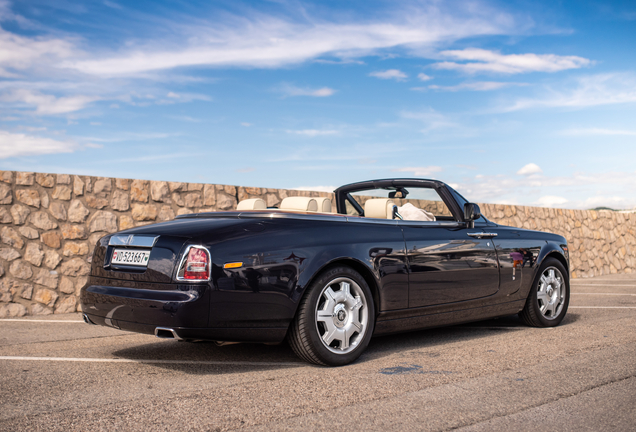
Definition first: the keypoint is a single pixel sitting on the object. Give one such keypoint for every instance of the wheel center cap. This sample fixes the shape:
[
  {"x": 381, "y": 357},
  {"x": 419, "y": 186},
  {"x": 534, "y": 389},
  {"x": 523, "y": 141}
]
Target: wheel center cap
[
  {"x": 340, "y": 315},
  {"x": 550, "y": 291}
]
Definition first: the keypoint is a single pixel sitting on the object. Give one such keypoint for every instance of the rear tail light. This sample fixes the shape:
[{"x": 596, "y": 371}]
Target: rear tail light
[{"x": 195, "y": 265}]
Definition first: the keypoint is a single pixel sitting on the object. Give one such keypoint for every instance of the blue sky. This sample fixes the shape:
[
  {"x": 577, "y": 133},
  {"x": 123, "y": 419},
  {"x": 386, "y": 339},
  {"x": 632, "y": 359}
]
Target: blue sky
[{"x": 524, "y": 102}]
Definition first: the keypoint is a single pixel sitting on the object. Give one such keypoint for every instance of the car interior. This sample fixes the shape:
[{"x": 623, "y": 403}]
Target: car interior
[{"x": 420, "y": 204}]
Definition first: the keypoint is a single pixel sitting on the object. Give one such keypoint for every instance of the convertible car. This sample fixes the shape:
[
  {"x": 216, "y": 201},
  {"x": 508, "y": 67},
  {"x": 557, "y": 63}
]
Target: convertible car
[{"x": 394, "y": 255}]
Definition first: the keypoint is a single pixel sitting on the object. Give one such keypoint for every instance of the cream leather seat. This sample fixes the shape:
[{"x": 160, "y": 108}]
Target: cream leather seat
[
  {"x": 252, "y": 204},
  {"x": 380, "y": 208},
  {"x": 324, "y": 204},
  {"x": 299, "y": 204}
]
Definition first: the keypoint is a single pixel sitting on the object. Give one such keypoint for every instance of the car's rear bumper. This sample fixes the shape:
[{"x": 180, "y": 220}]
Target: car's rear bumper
[{"x": 183, "y": 309}]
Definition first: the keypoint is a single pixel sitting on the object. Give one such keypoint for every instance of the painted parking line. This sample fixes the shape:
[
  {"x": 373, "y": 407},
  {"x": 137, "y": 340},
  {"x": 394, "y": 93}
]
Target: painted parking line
[
  {"x": 604, "y": 294},
  {"x": 152, "y": 361},
  {"x": 40, "y": 321},
  {"x": 605, "y": 285},
  {"x": 602, "y": 307}
]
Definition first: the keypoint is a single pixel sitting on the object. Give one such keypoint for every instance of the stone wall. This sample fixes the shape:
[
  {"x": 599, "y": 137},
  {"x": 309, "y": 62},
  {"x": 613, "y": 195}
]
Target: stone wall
[{"x": 49, "y": 224}]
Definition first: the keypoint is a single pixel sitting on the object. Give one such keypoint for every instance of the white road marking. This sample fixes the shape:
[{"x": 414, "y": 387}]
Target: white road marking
[
  {"x": 41, "y": 321},
  {"x": 602, "y": 307},
  {"x": 615, "y": 294},
  {"x": 605, "y": 285},
  {"x": 152, "y": 361}
]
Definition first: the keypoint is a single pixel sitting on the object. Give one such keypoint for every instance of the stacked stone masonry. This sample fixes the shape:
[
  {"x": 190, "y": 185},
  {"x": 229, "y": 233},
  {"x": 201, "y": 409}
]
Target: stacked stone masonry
[{"x": 49, "y": 224}]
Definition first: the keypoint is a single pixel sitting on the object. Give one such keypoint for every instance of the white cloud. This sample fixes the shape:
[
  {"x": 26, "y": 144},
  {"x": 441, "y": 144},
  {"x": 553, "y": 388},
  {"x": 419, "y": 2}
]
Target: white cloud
[
  {"x": 316, "y": 188},
  {"x": 431, "y": 119},
  {"x": 530, "y": 169},
  {"x": 47, "y": 104},
  {"x": 395, "y": 74},
  {"x": 313, "y": 132},
  {"x": 481, "y": 60},
  {"x": 421, "y": 171},
  {"x": 424, "y": 77},
  {"x": 17, "y": 144},
  {"x": 290, "y": 90},
  {"x": 550, "y": 201},
  {"x": 613, "y": 189},
  {"x": 18, "y": 53},
  {"x": 598, "y": 131},
  {"x": 614, "y": 202},
  {"x": 587, "y": 91},
  {"x": 259, "y": 40},
  {"x": 246, "y": 170},
  {"x": 474, "y": 86}
]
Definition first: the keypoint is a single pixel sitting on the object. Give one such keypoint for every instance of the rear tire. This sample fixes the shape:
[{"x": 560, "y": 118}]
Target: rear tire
[
  {"x": 549, "y": 297},
  {"x": 335, "y": 319}
]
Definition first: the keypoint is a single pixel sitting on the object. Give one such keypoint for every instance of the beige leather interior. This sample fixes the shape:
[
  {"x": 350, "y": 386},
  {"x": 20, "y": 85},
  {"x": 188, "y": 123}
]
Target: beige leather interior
[
  {"x": 324, "y": 204},
  {"x": 380, "y": 208},
  {"x": 300, "y": 204},
  {"x": 252, "y": 204}
]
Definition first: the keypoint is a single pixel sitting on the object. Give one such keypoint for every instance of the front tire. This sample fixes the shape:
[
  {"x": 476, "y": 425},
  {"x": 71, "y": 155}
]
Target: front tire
[
  {"x": 549, "y": 297},
  {"x": 335, "y": 319}
]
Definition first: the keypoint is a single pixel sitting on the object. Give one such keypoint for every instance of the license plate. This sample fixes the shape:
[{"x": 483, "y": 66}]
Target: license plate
[{"x": 131, "y": 257}]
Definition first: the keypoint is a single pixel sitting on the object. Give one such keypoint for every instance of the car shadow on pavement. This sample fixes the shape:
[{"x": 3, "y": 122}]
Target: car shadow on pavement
[{"x": 207, "y": 358}]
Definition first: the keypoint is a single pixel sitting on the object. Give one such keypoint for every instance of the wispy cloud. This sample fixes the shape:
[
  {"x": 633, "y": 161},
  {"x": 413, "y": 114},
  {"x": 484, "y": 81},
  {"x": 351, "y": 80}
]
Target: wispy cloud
[
  {"x": 587, "y": 91},
  {"x": 313, "y": 132},
  {"x": 46, "y": 104},
  {"x": 481, "y": 60},
  {"x": 316, "y": 188},
  {"x": 598, "y": 131},
  {"x": 424, "y": 77},
  {"x": 17, "y": 144},
  {"x": 245, "y": 170},
  {"x": 291, "y": 90},
  {"x": 421, "y": 171},
  {"x": 472, "y": 86},
  {"x": 431, "y": 119},
  {"x": 394, "y": 74},
  {"x": 19, "y": 53},
  {"x": 550, "y": 201},
  {"x": 259, "y": 40},
  {"x": 540, "y": 189}
]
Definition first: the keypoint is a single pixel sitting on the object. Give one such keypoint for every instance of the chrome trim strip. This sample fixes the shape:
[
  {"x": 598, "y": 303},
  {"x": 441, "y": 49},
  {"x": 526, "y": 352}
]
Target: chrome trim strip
[
  {"x": 482, "y": 234},
  {"x": 365, "y": 220},
  {"x": 183, "y": 260},
  {"x": 133, "y": 240}
]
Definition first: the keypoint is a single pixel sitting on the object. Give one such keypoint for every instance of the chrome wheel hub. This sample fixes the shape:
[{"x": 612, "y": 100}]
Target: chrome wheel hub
[
  {"x": 341, "y": 315},
  {"x": 551, "y": 293}
]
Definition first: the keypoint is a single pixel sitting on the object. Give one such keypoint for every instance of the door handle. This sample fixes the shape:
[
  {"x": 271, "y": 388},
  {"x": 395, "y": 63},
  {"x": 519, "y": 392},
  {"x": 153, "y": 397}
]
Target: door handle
[{"x": 482, "y": 234}]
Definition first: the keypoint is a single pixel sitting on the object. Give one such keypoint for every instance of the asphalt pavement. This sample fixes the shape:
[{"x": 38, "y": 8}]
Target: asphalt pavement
[{"x": 59, "y": 374}]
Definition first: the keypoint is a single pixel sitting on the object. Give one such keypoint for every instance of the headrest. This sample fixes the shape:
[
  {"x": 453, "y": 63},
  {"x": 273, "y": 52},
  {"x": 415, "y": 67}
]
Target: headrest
[
  {"x": 380, "y": 208},
  {"x": 252, "y": 204},
  {"x": 299, "y": 203},
  {"x": 324, "y": 204}
]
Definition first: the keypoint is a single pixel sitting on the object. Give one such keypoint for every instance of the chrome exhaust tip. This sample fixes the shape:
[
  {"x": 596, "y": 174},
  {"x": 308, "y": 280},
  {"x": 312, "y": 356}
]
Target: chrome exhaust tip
[
  {"x": 87, "y": 320},
  {"x": 166, "y": 333}
]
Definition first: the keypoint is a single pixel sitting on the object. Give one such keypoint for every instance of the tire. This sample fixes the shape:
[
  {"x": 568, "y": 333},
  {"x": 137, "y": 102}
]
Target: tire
[
  {"x": 335, "y": 319},
  {"x": 549, "y": 297}
]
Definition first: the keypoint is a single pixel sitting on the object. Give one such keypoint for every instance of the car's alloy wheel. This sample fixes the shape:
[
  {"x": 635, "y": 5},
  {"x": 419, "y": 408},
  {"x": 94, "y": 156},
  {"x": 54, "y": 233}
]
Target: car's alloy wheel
[
  {"x": 551, "y": 293},
  {"x": 335, "y": 319},
  {"x": 549, "y": 297},
  {"x": 342, "y": 315}
]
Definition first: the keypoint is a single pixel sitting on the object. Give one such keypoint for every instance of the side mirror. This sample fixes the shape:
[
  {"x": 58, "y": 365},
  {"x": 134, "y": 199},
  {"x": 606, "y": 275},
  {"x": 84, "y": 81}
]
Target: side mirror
[{"x": 471, "y": 214}]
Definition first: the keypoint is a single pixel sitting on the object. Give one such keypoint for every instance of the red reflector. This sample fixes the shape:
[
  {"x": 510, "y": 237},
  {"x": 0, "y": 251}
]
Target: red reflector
[{"x": 197, "y": 265}]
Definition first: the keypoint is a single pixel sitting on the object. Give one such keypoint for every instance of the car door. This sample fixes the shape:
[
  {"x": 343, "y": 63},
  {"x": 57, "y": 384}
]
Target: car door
[{"x": 449, "y": 263}]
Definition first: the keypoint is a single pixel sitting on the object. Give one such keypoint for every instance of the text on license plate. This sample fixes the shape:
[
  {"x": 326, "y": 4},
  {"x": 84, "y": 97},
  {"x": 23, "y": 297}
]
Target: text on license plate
[{"x": 131, "y": 257}]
